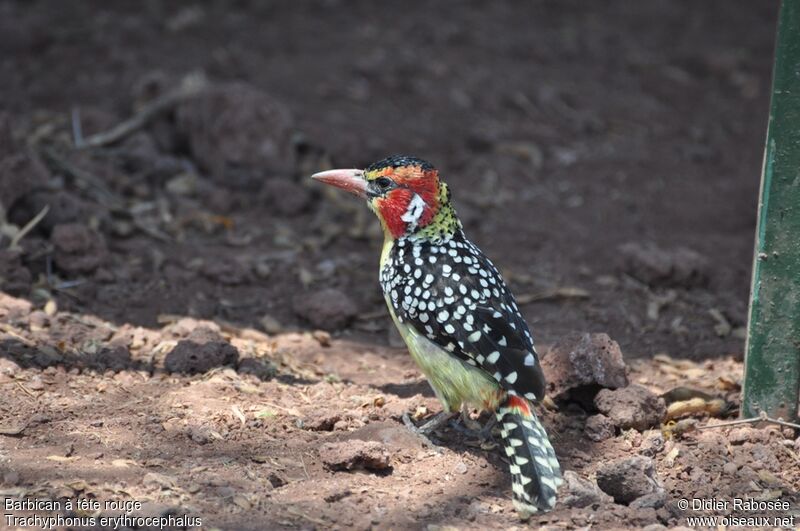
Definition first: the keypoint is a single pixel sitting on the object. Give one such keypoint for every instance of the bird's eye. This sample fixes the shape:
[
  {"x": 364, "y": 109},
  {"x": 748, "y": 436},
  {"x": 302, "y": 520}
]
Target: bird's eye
[{"x": 384, "y": 183}]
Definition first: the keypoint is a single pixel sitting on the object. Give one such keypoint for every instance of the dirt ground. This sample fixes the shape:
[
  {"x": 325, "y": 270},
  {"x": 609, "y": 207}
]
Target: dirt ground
[{"x": 194, "y": 325}]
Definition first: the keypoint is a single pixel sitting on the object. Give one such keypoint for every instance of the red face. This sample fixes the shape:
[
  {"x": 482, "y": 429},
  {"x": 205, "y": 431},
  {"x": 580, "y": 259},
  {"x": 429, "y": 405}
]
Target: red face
[{"x": 405, "y": 197}]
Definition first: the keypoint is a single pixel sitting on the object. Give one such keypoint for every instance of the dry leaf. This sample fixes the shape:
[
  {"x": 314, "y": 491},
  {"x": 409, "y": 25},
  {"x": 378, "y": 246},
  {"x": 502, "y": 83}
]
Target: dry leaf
[
  {"x": 420, "y": 412},
  {"x": 669, "y": 459}
]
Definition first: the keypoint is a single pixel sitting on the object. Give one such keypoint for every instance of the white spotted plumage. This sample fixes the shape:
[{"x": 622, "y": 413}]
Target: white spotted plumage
[
  {"x": 461, "y": 323},
  {"x": 460, "y": 310}
]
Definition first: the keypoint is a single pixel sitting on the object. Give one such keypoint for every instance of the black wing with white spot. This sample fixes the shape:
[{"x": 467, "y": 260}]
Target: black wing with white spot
[{"x": 453, "y": 295}]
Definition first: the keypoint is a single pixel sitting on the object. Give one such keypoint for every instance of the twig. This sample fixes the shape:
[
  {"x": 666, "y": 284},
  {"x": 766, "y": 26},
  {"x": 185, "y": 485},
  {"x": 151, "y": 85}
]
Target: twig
[
  {"x": 27, "y": 391},
  {"x": 190, "y": 87},
  {"x": 781, "y": 422},
  {"x": 566, "y": 292},
  {"x": 762, "y": 417},
  {"x": 29, "y": 227},
  {"x": 77, "y": 129},
  {"x": 305, "y": 470},
  {"x": 730, "y": 423},
  {"x": 67, "y": 284},
  {"x": 83, "y": 179},
  {"x": 8, "y": 329}
]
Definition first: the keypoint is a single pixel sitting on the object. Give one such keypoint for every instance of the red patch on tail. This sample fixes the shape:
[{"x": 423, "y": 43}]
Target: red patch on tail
[{"x": 520, "y": 404}]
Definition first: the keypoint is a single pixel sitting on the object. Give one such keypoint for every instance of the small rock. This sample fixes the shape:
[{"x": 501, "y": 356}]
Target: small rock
[
  {"x": 631, "y": 407},
  {"x": 653, "y": 443},
  {"x": 322, "y": 337},
  {"x": 477, "y": 507},
  {"x": 329, "y": 309},
  {"x": 15, "y": 278},
  {"x": 8, "y": 367},
  {"x": 580, "y": 364},
  {"x": 581, "y": 492},
  {"x": 730, "y": 469},
  {"x": 78, "y": 249},
  {"x": 182, "y": 184},
  {"x": 13, "y": 309},
  {"x": 154, "y": 479},
  {"x": 628, "y": 478},
  {"x": 349, "y": 455},
  {"x": 63, "y": 208},
  {"x": 38, "y": 320},
  {"x": 460, "y": 468},
  {"x": 744, "y": 434},
  {"x": 202, "y": 350},
  {"x": 35, "y": 384},
  {"x": 11, "y": 478},
  {"x": 321, "y": 421},
  {"x": 276, "y": 481},
  {"x": 199, "y": 434},
  {"x": 337, "y": 495},
  {"x": 226, "y": 270},
  {"x": 238, "y": 134},
  {"x": 271, "y": 325},
  {"x": 262, "y": 269},
  {"x": 764, "y": 456},
  {"x": 599, "y": 428},
  {"x": 113, "y": 358},
  {"x": 655, "y": 266},
  {"x": 654, "y": 500},
  {"x": 261, "y": 368}
]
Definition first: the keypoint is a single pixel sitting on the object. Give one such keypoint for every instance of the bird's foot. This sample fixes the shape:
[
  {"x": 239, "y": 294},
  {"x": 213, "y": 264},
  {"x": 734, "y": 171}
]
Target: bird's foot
[
  {"x": 428, "y": 427},
  {"x": 473, "y": 428}
]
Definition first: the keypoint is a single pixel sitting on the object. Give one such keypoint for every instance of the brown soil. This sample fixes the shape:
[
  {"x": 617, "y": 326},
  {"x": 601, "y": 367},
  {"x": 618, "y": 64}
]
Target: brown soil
[{"x": 160, "y": 333}]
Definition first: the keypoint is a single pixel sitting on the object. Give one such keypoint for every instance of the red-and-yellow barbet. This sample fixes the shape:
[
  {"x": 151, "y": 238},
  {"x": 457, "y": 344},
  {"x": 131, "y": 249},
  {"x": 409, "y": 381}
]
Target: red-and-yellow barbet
[{"x": 458, "y": 318}]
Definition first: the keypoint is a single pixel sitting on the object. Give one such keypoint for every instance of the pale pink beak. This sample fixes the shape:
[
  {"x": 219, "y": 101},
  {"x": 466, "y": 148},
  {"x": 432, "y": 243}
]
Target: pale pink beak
[{"x": 352, "y": 181}]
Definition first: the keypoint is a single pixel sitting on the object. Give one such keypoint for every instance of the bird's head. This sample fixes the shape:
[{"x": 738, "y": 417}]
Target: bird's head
[{"x": 404, "y": 192}]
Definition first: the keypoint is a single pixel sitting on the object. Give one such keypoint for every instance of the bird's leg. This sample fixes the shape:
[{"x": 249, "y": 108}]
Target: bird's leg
[
  {"x": 472, "y": 427},
  {"x": 430, "y": 426},
  {"x": 467, "y": 420},
  {"x": 485, "y": 433}
]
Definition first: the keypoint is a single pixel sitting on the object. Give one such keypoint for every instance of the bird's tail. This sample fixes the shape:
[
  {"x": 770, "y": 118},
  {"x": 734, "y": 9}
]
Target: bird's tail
[{"x": 535, "y": 472}]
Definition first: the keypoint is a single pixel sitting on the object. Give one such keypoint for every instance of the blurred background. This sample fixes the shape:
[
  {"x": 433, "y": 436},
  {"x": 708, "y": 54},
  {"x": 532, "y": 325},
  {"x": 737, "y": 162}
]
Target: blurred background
[
  {"x": 155, "y": 155},
  {"x": 614, "y": 148}
]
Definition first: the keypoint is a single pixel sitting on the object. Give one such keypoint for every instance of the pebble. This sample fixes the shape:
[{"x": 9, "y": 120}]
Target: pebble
[
  {"x": 581, "y": 492},
  {"x": 580, "y": 363},
  {"x": 238, "y": 133},
  {"x": 628, "y": 478},
  {"x": 655, "y": 266},
  {"x": 599, "y": 428},
  {"x": 328, "y": 309},
  {"x": 78, "y": 249},
  {"x": 634, "y": 407},
  {"x": 349, "y": 455}
]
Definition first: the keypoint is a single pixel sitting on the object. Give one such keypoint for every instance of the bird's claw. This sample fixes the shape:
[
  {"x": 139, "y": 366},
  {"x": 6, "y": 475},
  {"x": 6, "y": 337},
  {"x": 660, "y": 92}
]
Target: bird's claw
[
  {"x": 473, "y": 428},
  {"x": 428, "y": 427}
]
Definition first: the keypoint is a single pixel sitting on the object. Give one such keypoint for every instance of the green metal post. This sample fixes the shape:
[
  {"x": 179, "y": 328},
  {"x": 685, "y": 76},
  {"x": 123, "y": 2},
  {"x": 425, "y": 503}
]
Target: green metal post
[{"x": 772, "y": 362}]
